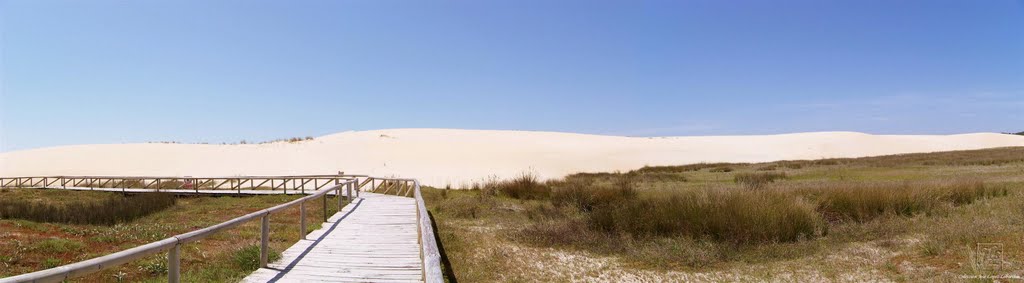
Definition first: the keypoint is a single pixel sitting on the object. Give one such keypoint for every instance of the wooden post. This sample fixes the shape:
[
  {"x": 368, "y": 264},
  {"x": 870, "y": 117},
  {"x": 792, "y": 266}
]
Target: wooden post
[
  {"x": 174, "y": 264},
  {"x": 302, "y": 220},
  {"x": 339, "y": 198},
  {"x": 264, "y": 240},
  {"x": 324, "y": 198},
  {"x": 349, "y": 195}
]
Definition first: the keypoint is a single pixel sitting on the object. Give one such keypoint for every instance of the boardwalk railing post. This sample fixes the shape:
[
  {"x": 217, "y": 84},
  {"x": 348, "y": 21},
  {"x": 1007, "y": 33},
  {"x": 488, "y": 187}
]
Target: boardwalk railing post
[
  {"x": 174, "y": 264},
  {"x": 324, "y": 198},
  {"x": 349, "y": 189},
  {"x": 302, "y": 220},
  {"x": 339, "y": 191},
  {"x": 264, "y": 239}
]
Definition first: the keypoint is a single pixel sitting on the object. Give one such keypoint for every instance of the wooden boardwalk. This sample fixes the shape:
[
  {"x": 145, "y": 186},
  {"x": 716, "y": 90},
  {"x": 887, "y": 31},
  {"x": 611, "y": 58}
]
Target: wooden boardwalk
[{"x": 373, "y": 239}]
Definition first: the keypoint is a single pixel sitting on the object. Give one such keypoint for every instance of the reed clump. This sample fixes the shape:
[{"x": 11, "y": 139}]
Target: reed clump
[
  {"x": 862, "y": 202},
  {"x": 733, "y": 216}
]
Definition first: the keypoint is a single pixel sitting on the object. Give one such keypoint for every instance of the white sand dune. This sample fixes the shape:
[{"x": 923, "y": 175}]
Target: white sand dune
[{"x": 457, "y": 157}]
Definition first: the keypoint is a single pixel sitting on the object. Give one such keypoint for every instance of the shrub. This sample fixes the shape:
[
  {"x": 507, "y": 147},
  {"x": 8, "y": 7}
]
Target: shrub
[
  {"x": 525, "y": 186},
  {"x": 758, "y": 180},
  {"x": 586, "y": 195}
]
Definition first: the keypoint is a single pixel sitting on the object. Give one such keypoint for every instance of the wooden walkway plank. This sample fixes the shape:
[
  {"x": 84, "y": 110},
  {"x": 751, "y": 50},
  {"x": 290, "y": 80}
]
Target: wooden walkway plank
[{"x": 373, "y": 239}]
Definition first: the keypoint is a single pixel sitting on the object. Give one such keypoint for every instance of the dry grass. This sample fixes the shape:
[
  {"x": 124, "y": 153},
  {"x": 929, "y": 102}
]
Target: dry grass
[
  {"x": 731, "y": 216},
  {"x": 866, "y": 201},
  {"x": 759, "y": 179},
  {"x": 525, "y": 186}
]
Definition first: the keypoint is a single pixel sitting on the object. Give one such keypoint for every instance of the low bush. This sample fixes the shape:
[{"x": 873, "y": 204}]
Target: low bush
[
  {"x": 586, "y": 195},
  {"x": 105, "y": 212},
  {"x": 525, "y": 186}
]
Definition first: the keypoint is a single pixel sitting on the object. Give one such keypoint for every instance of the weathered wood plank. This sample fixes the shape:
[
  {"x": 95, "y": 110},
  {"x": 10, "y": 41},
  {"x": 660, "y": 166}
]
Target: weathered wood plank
[{"x": 373, "y": 239}]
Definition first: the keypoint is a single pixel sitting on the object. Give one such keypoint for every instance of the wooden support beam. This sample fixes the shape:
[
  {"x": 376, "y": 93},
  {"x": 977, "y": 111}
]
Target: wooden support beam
[
  {"x": 264, "y": 182},
  {"x": 303, "y": 184},
  {"x": 221, "y": 184}
]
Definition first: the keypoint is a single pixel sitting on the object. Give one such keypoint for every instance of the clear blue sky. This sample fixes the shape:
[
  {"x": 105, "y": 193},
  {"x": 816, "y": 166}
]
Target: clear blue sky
[{"x": 221, "y": 71}]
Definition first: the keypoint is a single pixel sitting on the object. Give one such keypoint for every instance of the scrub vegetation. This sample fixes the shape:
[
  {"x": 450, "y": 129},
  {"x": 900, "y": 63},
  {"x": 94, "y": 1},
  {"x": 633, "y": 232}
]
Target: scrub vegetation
[{"x": 916, "y": 217}]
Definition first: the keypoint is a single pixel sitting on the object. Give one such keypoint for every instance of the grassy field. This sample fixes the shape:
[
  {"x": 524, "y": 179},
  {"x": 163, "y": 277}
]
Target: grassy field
[
  {"x": 27, "y": 246},
  {"x": 919, "y": 217}
]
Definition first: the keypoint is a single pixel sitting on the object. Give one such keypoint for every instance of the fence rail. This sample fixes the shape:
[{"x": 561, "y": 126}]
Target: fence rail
[{"x": 429, "y": 253}]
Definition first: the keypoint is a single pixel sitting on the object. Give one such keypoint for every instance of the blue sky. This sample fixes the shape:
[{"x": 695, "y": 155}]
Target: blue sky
[{"x": 74, "y": 72}]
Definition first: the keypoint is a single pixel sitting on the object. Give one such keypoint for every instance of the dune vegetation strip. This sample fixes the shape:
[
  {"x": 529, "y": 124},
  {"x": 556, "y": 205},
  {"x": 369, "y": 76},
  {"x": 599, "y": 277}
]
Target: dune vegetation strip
[
  {"x": 914, "y": 213},
  {"x": 111, "y": 210}
]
